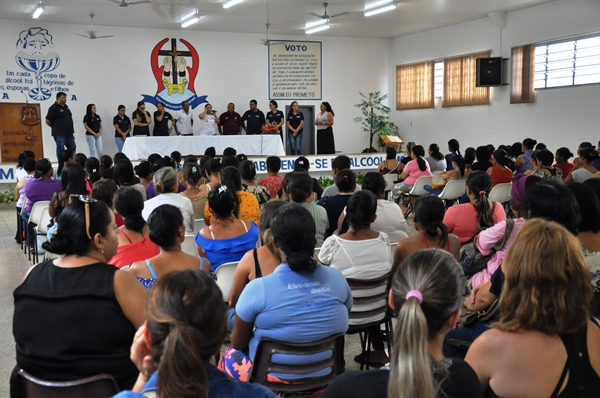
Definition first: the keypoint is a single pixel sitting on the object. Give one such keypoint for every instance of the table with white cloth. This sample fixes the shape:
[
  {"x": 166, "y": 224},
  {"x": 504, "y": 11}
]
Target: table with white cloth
[{"x": 251, "y": 145}]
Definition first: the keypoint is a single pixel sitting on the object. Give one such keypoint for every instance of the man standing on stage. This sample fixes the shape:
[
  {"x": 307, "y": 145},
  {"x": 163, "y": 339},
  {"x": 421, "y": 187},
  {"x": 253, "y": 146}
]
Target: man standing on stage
[
  {"x": 184, "y": 120},
  {"x": 230, "y": 121},
  {"x": 161, "y": 121},
  {"x": 60, "y": 119},
  {"x": 254, "y": 119}
]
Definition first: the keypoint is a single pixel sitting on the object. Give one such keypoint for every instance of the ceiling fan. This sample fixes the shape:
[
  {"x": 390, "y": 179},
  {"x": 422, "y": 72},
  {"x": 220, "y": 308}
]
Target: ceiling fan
[
  {"x": 325, "y": 15},
  {"x": 90, "y": 33},
  {"x": 268, "y": 42},
  {"x": 123, "y": 3}
]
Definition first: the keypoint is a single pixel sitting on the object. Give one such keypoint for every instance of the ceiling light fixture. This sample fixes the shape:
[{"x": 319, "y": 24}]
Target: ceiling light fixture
[
  {"x": 317, "y": 29},
  {"x": 231, "y": 3},
  {"x": 188, "y": 16},
  {"x": 190, "y": 19},
  {"x": 376, "y": 4},
  {"x": 38, "y": 11},
  {"x": 380, "y": 10},
  {"x": 316, "y": 23}
]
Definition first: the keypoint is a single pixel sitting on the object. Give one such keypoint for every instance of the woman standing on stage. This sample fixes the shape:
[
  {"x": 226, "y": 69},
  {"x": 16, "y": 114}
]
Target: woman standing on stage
[
  {"x": 275, "y": 117},
  {"x": 141, "y": 120},
  {"x": 325, "y": 140},
  {"x": 295, "y": 125},
  {"x": 210, "y": 119},
  {"x": 122, "y": 127},
  {"x": 93, "y": 130}
]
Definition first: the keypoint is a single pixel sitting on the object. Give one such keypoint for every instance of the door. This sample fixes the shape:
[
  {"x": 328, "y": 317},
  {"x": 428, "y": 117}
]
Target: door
[{"x": 308, "y": 134}]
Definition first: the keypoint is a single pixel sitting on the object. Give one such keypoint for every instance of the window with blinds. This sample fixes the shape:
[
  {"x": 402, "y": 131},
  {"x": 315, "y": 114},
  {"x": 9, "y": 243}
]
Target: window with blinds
[
  {"x": 414, "y": 86},
  {"x": 567, "y": 63},
  {"x": 460, "y": 77}
]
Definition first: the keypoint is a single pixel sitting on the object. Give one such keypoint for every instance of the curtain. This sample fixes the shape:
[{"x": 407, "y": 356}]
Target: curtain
[
  {"x": 414, "y": 86},
  {"x": 522, "y": 74},
  {"x": 460, "y": 77}
]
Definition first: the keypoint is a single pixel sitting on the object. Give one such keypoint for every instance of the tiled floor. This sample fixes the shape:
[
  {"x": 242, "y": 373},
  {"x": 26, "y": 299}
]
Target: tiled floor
[{"x": 14, "y": 264}]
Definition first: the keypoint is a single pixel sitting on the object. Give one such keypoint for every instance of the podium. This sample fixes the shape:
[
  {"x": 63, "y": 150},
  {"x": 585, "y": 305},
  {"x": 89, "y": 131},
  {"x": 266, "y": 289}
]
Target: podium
[
  {"x": 20, "y": 129},
  {"x": 392, "y": 140}
]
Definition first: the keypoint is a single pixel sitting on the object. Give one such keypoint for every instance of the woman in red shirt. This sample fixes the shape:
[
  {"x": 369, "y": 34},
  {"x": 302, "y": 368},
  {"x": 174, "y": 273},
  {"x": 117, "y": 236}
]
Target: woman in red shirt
[
  {"x": 562, "y": 157},
  {"x": 499, "y": 172}
]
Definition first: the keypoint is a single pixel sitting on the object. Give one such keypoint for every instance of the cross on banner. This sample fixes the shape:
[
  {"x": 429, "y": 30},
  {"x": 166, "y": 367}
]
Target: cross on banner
[{"x": 174, "y": 54}]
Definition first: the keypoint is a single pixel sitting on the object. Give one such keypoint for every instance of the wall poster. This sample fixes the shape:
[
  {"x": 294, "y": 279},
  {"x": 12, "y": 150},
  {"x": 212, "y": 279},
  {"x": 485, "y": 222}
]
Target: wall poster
[{"x": 295, "y": 70}]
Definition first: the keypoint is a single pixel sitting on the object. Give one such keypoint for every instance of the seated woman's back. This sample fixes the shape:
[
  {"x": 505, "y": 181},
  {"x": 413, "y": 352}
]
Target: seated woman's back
[
  {"x": 75, "y": 316},
  {"x": 542, "y": 346},
  {"x": 261, "y": 261},
  {"x": 228, "y": 238},
  {"x": 466, "y": 220},
  {"x": 168, "y": 232},
  {"x": 360, "y": 253},
  {"x": 432, "y": 233}
]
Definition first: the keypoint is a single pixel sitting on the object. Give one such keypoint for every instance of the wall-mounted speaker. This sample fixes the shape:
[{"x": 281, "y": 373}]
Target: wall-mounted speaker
[{"x": 489, "y": 72}]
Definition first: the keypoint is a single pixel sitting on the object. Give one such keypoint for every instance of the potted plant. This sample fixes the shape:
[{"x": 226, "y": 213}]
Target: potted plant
[{"x": 375, "y": 119}]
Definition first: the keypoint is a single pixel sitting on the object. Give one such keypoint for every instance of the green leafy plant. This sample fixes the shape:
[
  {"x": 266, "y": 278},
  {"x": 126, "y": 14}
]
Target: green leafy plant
[
  {"x": 325, "y": 181},
  {"x": 375, "y": 118},
  {"x": 8, "y": 196},
  {"x": 359, "y": 178}
]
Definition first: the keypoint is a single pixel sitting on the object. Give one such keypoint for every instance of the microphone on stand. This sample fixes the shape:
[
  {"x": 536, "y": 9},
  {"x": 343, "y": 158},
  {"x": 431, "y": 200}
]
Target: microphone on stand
[{"x": 26, "y": 99}]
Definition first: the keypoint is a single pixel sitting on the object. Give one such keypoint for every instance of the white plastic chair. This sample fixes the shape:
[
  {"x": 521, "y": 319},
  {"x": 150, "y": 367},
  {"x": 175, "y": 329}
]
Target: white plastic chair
[
  {"x": 224, "y": 274},
  {"x": 436, "y": 176},
  {"x": 41, "y": 230},
  {"x": 501, "y": 193},
  {"x": 393, "y": 246},
  {"x": 417, "y": 189},
  {"x": 389, "y": 181},
  {"x": 34, "y": 220},
  {"x": 189, "y": 245},
  {"x": 453, "y": 190}
]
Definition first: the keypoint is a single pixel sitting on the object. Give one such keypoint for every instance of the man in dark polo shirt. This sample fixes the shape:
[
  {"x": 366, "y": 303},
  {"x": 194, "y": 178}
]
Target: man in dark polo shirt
[
  {"x": 161, "y": 121},
  {"x": 60, "y": 119},
  {"x": 230, "y": 122},
  {"x": 254, "y": 119}
]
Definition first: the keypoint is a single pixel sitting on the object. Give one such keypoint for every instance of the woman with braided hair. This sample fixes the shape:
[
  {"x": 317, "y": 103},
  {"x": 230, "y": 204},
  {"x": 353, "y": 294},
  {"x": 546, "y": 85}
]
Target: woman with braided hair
[{"x": 185, "y": 328}]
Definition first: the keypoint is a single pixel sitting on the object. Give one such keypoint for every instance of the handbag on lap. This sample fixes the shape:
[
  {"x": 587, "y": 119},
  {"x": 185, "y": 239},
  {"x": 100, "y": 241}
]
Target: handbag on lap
[{"x": 471, "y": 258}]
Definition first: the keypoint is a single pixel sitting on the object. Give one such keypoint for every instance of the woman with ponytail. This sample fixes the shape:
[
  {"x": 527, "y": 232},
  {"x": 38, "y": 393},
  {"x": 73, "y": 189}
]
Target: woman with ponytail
[
  {"x": 426, "y": 295},
  {"x": 468, "y": 219},
  {"x": 261, "y": 261},
  {"x": 417, "y": 167},
  {"x": 432, "y": 233},
  {"x": 134, "y": 241},
  {"x": 228, "y": 238},
  {"x": 92, "y": 168},
  {"x": 248, "y": 173},
  {"x": 300, "y": 302},
  {"x": 454, "y": 148},
  {"x": 76, "y": 316},
  {"x": 185, "y": 328},
  {"x": 193, "y": 174},
  {"x": 64, "y": 158}
]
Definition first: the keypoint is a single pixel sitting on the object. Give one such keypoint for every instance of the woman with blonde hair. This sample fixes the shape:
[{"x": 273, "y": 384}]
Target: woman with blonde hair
[
  {"x": 544, "y": 344},
  {"x": 426, "y": 295}
]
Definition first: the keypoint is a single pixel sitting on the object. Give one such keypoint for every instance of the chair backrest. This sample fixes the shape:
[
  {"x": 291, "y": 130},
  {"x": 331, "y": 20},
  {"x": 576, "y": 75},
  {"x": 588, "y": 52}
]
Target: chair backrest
[
  {"x": 453, "y": 190},
  {"x": 417, "y": 189},
  {"x": 42, "y": 226},
  {"x": 263, "y": 364},
  {"x": 501, "y": 192},
  {"x": 369, "y": 300},
  {"x": 389, "y": 180},
  {"x": 393, "y": 246},
  {"x": 99, "y": 386},
  {"x": 224, "y": 274},
  {"x": 317, "y": 251},
  {"x": 36, "y": 211},
  {"x": 435, "y": 176},
  {"x": 189, "y": 245},
  {"x": 198, "y": 225}
]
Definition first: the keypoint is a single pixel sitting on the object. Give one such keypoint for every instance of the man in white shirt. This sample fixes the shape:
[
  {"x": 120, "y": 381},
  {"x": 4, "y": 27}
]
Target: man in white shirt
[{"x": 184, "y": 120}]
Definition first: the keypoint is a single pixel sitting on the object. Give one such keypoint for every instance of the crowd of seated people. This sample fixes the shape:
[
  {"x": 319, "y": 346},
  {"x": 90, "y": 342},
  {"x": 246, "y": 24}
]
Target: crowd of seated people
[{"x": 551, "y": 251}]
